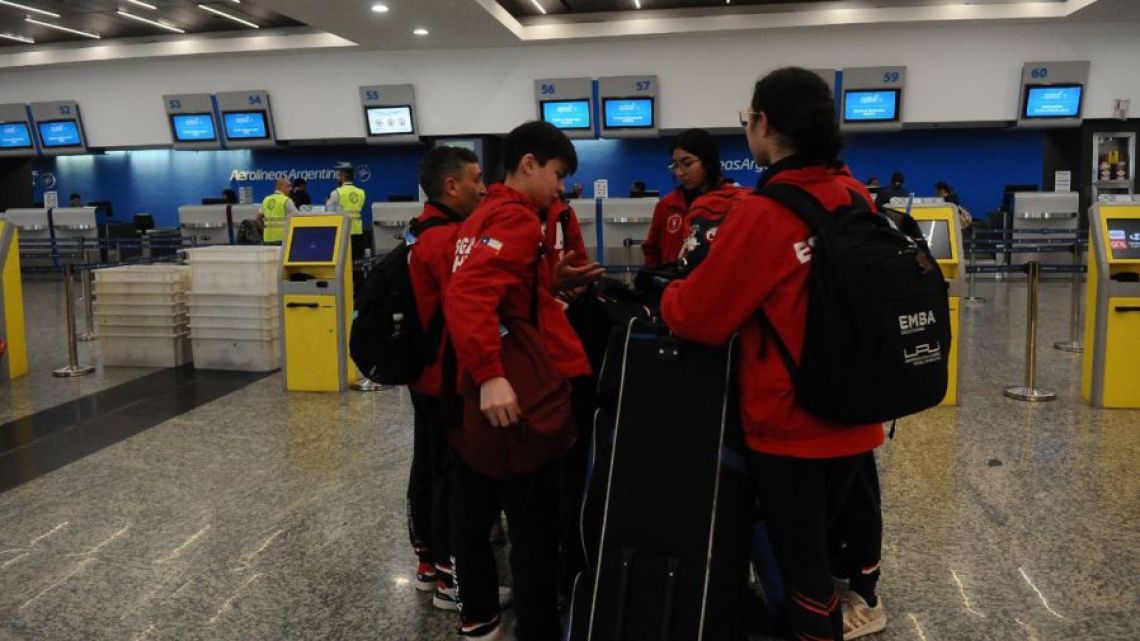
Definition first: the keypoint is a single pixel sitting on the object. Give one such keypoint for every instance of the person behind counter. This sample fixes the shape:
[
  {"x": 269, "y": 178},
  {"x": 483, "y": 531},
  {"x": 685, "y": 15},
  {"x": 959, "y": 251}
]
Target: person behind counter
[
  {"x": 300, "y": 193},
  {"x": 349, "y": 198},
  {"x": 897, "y": 189},
  {"x": 75, "y": 200}
]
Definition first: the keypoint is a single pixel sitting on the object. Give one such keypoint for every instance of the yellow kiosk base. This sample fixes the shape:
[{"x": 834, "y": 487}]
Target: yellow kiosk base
[
  {"x": 14, "y": 359},
  {"x": 951, "y": 399}
]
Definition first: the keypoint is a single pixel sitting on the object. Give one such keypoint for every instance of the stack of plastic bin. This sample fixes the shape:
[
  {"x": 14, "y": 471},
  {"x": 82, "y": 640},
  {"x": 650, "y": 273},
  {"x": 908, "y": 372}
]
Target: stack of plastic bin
[
  {"x": 141, "y": 312},
  {"x": 235, "y": 321}
]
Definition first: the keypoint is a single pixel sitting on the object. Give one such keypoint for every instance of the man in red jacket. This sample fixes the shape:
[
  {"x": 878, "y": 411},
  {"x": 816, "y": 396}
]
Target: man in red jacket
[
  {"x": 453, "y": 182},
  {"x": 803, "y": 466},
  {"x": 499, "y": 271},
  {"x": 696, "y": 164}
]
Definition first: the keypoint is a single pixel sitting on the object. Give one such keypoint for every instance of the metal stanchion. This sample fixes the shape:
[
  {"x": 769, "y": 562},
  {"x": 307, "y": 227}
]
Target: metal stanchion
[
  {"x": 1074, "y": 344},
  {"x": 970, "y": 298},
  {"x": 88, "y": 292},
  {"x": 1030, "y": 392},
  {"x": 73, "y": 368}
]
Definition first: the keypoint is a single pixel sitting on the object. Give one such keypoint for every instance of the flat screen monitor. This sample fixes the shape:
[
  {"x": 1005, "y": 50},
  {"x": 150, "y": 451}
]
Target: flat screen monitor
[
  {"x": 389, "y": 121},
  {"x": 877, "y": 105},
  {"x": 1053, "y": 101},
  {"x": 628, "y": 113},
  {"x": 60, "y": 133},
  {"x": 567, "y": 114},
  {"x": 1124, "y": 238},
  {"x": 313, "y": 245},
  {"x": 245, "y": 125},
  {"x": 15, "y": 135},
  {"x": 937, "y": 235},
  {"x": 193, "y": 127}
]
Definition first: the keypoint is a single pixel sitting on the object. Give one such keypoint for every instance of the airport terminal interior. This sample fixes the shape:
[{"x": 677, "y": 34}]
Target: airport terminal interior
[{"x": 194, "y": 195}]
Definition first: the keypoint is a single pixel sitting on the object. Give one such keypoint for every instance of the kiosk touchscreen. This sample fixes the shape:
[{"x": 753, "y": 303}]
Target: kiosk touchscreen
[
  {"x": 14, "y": 356},
  {"x": 942, "y": 230},
  {"x": 316, "y": 303},
  {"x": 1112, "y": 313}
]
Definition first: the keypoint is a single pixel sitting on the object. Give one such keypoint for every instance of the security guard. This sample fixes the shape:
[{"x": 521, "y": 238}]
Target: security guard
[
  {"x": 350, "y": 199},
  {"x": 274, "y": 210}
]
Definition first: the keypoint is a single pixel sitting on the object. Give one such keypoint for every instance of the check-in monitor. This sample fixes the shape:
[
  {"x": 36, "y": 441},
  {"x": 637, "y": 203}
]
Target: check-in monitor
[
  {"x": 1053, "y": 101},
  {"x": 15, "y": 135},
  {"x": 245, "y": 125},
  {"x": 313, "y": 245},
  {"x": 628, "y": 113},
  {"x": 389, "y": 121},
  {"x": 60, "y": 133},
  {"x": 567, "y": 114},
  {"x": 878, "y": 105},
  {"x": 193, "y": 127},
  {"x": 1123, "y": 238},
  {"x": 937, "y": 235}
]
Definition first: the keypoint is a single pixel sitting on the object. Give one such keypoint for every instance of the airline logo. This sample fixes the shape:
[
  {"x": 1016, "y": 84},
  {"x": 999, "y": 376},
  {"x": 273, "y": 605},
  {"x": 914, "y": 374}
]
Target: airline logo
[{"x": 1117, "y": 234}]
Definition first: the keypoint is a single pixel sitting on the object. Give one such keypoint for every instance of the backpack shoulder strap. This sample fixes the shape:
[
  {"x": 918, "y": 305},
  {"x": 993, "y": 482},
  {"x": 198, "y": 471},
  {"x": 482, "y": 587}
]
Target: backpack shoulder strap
[{"x": 800, "y": 202}]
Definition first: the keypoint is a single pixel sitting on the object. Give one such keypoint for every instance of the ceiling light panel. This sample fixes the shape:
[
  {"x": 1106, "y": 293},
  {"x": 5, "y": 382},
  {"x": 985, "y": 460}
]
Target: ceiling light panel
[
  {"x": 24, "y": 7},
  {"x": 58, "y": 27},
  {"x": 156, "y": 23},
  {"x": 228, "y": 16}
]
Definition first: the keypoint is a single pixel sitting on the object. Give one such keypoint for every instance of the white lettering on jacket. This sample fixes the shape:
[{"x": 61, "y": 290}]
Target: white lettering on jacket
[{"x": 803, "y": 250}]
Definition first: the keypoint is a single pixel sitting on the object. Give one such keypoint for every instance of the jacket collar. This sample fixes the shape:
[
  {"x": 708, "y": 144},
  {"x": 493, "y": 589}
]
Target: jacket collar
[{"x": 442, "y": 210}]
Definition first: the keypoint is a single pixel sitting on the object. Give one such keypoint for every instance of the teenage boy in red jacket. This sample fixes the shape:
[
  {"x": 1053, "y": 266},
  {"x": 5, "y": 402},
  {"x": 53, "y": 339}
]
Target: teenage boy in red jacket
[
  {"x": 499, "y": 254},
  {"x": 453, "y": 181}
]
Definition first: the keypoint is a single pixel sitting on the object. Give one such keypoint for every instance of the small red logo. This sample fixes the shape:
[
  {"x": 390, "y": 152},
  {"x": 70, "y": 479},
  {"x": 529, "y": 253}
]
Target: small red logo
[{"x": 673, "y": 224}]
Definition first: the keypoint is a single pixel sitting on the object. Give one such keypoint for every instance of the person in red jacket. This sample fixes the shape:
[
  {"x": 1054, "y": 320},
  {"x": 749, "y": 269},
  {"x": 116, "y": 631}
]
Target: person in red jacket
[
  {"x": 453, "y": 182},
  {"x": 497, "y": 261},
  {"x": 704, "y": 219},
  {"x": 803, "y": 466},
  {"x": 696, "y": 165}
]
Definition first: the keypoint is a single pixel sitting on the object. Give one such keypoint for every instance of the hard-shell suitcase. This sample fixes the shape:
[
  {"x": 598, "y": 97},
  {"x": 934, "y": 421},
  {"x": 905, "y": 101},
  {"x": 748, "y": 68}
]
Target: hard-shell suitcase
[{"x": 667, "y": 521}]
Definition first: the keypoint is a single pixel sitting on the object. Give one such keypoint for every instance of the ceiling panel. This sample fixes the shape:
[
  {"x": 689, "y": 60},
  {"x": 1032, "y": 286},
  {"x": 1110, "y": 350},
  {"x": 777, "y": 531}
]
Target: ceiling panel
[
  {"x": 530, "y": 8},
  {"x": 100, "y": 17}
]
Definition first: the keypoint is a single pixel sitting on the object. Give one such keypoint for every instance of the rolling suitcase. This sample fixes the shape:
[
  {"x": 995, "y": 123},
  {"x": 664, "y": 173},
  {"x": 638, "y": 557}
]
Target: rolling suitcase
[{"x": 667, "y": 519}]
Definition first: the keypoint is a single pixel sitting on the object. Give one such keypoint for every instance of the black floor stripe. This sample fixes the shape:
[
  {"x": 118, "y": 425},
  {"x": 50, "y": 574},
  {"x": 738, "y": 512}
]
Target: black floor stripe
[{"x": 45, "y": 441}]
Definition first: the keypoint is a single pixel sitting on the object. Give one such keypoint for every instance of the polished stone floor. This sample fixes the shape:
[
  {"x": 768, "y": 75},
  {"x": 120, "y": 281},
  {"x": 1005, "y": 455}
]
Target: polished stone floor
[{"x": 270, "y": 516}]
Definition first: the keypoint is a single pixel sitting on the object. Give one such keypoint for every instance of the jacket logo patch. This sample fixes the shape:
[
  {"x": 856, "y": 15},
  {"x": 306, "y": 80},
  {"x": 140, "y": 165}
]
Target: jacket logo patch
[
  {"x": 673, "y": 225},
  {"x": 463, "y": 248}
]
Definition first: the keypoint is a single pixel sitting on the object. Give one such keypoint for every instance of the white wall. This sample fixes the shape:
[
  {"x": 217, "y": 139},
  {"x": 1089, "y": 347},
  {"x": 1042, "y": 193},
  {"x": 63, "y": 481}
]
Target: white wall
[{"x": 961, "y": 73}]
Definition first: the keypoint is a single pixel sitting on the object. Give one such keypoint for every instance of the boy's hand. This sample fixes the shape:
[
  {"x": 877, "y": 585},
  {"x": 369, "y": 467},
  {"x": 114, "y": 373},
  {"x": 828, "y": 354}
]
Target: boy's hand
[
  {"x": 566, "y": 276},
  {"x": 498, "y": 402}
]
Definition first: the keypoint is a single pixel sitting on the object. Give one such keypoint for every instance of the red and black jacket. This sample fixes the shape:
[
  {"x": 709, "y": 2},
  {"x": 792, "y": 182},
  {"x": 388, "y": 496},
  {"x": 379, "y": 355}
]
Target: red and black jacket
[
  {"x": 429, "y": 265},
  {"x": 663, "y": 242}
]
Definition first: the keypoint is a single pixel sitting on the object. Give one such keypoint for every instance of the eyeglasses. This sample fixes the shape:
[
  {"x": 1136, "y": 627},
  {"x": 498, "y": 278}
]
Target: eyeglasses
[
  {"x": 684, "y": 165},
  {"x": 746, "y": 117}
]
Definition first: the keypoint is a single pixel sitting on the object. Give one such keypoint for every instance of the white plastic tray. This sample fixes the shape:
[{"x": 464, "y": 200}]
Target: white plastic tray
[
  {"x": 242, "y": 355},
  {"x": 145, "y": 351}
]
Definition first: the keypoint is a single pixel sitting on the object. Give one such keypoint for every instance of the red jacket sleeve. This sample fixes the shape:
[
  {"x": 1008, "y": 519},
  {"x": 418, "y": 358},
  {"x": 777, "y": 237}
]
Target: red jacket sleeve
[
  {"x": 652, "y": 245},
  {"x": 500, "y": 259},
  {"x": 574, "y": 242},
  {"x": 753, "y": 254}
]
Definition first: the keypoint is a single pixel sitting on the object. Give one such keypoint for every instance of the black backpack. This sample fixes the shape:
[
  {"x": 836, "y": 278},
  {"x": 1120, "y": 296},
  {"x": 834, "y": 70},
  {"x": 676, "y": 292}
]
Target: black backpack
[
  {"x": 877, "y": 343},
  {"x": 388, "y": 342}
]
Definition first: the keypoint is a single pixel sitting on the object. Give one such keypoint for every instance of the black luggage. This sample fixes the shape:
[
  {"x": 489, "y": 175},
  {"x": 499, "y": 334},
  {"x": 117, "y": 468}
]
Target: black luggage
[{"x": 669, "y": 496}]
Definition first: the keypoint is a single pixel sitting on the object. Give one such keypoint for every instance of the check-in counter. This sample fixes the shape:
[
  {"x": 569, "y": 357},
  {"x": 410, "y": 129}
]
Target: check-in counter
[
  {"x": 586, "y": 209},
  {"x": 77, "y": 233},
  {"x": 389, "y": 220},
  {"x": 35, "y": 235},
  {"x": 625, "y": 224},
  {"x": 207, "y": 224},
  {"x": 1052, "y": 211}
]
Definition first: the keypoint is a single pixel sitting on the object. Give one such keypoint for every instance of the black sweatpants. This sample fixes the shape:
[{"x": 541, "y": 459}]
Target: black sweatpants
[
  {"x": 531, "y": 504},
  {"x": 861, "y": 520},
  {"x": 428, "y": 515},
  {"x": 802, "y": 500}
]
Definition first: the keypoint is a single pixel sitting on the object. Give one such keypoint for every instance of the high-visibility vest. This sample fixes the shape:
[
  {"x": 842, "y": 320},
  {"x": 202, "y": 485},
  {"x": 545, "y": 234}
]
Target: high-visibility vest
[
  {"x": 352, "y": 202},
  {"x": 274, "y": 209}
]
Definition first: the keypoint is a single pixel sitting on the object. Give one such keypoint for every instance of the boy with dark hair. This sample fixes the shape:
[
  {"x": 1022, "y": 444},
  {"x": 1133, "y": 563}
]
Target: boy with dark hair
[
  {"x": 453, "y": 181},
  {"x": 499, "y": 273}
]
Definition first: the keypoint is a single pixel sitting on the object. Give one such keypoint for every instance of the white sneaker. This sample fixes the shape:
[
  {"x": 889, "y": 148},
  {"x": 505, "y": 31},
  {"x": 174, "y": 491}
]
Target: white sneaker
[
  {"x": 445, "y": 599},
  {"x": 860, "y": 619}
]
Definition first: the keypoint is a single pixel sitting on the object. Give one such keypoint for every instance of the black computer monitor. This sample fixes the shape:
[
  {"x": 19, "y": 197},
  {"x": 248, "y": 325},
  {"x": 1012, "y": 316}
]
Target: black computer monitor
[
  {"x": 401, "y": 198},
  {"x": 215, "y": 201}
]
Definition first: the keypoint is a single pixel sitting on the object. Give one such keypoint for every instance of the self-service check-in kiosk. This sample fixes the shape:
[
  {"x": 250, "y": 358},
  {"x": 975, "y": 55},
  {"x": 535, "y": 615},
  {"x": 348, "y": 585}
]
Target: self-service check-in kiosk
[
  {"x": 942, "y": 229},
  {"x": 206, "y": 224},
  {"x": 316, "y": 303},
  {"x": 389, "y": 220},
  {"x": 14, "y": 360},
  {"x": 35, "y": 233},
  {"x": 1112, "y": 312}
]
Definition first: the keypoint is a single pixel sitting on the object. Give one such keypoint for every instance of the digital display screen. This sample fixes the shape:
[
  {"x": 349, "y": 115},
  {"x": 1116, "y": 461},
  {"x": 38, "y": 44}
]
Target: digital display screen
[
  {"x": 60, "y": 133},
  {"x": 15, "y": 135},
  {"x": 245, "y": 125},
  {"x": 937, "y": 235},
  {"x": 389, "y": 121},
  {"x": 193, "y": 127},
  {"x": 567, "y": 114},
  {"x": 1053, "y": 102},
  {"x": 313, "y": 245},
  {"x": 880, "y": 105},
  {"x": 628, "y": 113},
  {"x": 1124, "y": 238}
]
